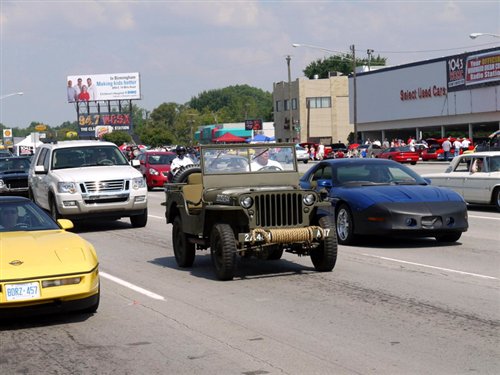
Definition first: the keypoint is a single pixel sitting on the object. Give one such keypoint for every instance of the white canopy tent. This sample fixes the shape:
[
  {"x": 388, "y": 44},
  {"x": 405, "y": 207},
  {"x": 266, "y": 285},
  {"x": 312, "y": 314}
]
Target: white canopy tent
[{"x": 28, "y": 145}]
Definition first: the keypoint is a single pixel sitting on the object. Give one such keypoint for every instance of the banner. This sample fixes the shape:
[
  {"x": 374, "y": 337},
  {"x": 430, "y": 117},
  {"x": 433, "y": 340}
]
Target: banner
[
  {"x": 91, "y": 124},
  {"x": 113, "y": 86},
  {"x": 470, "y": 70},
  {"x": 8, "y": 139}
]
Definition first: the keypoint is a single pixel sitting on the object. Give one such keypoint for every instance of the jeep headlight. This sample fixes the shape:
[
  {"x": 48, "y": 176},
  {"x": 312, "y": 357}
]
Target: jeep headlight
[
  {"x": 309, "y": 199},
  {"x": 246, "y": 202},
  {"x": 66, "y": 187},
  {"x": 153, "y": 171},
  {"x": 138, "y": 183}
]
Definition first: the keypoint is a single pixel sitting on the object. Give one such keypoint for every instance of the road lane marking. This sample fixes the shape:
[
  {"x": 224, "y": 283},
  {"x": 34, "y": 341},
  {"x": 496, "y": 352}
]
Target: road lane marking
[
  {"x": 157, "y": 217},
  {"x": 131, "y": 286},
  {"x": 484, "y": 217},
  {"x": 434, "y": 267}
]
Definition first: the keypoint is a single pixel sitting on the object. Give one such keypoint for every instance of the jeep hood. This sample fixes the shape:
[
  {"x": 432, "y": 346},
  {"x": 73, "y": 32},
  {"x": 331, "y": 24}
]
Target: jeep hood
[{"x": 252, "y": 189}]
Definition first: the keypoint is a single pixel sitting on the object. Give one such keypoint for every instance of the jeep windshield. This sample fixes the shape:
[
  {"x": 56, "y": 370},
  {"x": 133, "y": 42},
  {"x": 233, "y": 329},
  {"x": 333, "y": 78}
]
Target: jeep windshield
[
  {"x": 248, "y": 159},
  {"x": 76, "y": 157}
]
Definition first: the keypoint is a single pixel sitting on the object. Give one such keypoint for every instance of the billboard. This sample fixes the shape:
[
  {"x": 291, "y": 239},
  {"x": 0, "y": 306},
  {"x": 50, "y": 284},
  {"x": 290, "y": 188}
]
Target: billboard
[
  {"x": 89, "y": 125},
  {"x": 113, "y": 86},
  {"x": 471, "y": 70}
]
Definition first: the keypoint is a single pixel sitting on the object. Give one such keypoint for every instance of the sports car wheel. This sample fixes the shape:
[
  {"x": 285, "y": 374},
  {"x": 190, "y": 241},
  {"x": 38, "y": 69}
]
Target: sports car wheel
[
  {"x": 449, "y": 237},
  {"x": 184, "y": 251},
  {"x": 496, "y": 198},
  {"x": 223, "y": 251},
  {"x": 345, "y": 225},
  {"x": 324, "y": 256}
]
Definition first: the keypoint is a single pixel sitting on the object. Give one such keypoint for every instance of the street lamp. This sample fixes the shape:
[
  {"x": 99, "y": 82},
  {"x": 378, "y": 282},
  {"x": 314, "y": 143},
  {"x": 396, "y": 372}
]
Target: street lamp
[
  {"x": 13, "y": 94},
  {"x": 354, "y": 91},
  {"x": 475, "y": 35}
]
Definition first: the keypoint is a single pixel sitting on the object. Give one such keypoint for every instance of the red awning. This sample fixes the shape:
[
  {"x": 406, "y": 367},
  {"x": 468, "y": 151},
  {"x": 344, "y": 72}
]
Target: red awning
[{"x": 229, "y": 138}]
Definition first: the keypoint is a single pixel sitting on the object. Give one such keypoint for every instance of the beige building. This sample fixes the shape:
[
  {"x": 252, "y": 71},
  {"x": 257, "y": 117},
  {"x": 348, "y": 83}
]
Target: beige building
[{"x": 319, "y": 110}]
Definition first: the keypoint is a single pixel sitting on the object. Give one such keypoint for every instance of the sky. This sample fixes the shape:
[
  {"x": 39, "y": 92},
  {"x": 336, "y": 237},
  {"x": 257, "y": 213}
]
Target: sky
[{"x": 183, "y": 48}]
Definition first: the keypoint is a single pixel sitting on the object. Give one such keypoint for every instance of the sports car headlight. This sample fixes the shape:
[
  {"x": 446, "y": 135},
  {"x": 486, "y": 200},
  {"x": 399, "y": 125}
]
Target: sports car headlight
[
  {"x": 309, "y": 199},
  {"x": 153, "y": 171},
  {"x": 246, "y": 202},
  {"x": 138, "y": 183},
  {"x": 66, "y": 187},
  {"x": 59, "y": 282}
]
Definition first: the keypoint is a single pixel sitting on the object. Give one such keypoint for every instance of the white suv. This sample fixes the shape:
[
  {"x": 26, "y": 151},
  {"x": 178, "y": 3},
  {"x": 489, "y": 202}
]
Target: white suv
[{"x": 87, "y": 179}]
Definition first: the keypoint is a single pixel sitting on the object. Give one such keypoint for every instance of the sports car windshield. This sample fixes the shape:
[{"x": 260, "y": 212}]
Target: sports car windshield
[
  {"x": 251, "y": 159},
  {"x": 377, "y": 174},
  {"x": 24, "y": 216}
]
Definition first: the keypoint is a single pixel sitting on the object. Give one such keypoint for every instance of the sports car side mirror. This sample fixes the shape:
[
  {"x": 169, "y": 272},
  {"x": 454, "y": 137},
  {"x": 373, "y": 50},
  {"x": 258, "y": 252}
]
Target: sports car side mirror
[{"x": 325, "y": 184}]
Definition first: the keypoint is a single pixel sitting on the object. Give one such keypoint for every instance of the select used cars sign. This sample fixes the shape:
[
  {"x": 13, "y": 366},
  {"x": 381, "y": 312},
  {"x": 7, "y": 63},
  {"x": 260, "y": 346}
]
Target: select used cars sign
[{"x": 113, "y": 86}]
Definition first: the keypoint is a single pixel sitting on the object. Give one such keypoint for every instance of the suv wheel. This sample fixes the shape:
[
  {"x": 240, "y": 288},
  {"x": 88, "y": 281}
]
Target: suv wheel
[
  {"x": 324, "y": 256},
  {"x": 184, "y": 251},
  {"x": 139, "y": 221},
  {"x": 223, "y": 251},
  {"x": 53, "y": 209}
]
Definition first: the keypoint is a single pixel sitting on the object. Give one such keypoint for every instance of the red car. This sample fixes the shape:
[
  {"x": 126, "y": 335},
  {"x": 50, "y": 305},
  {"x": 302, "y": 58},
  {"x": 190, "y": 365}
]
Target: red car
[
  {"x": 400, "y": 154},
  {"x": 155, "y": 167}
]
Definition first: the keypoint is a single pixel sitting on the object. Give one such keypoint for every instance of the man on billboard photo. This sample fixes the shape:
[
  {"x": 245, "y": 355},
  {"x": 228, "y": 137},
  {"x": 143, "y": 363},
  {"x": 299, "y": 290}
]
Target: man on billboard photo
[
  {"x": 91, "y": 89},
  {"x": 71, "y": 92}
]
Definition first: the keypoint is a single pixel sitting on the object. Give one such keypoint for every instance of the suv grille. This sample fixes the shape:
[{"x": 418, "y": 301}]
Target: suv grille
[
  {"x": 103, "y": 186},
  {"x": 281, "y": 209}
]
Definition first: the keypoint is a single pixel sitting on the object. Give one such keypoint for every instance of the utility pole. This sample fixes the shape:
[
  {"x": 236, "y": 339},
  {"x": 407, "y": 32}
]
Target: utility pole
[
  {"x": 355, "y": 104},
  {"x": 290, "y": 122}
]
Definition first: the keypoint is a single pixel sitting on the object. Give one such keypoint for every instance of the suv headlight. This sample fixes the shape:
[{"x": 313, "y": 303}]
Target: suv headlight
[
  {"x": 66, "y": 187},
  {"x": 246, "y": 202},
  {"x": 2, "y": 184},
  {"x": 309, "y": 199},
  {"x": 138, "y": 183}
]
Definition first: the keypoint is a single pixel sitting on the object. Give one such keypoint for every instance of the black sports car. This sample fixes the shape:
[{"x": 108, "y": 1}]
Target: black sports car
[
  {"x": 381, "y": 197},
  {"x": 14, "y": 175}
]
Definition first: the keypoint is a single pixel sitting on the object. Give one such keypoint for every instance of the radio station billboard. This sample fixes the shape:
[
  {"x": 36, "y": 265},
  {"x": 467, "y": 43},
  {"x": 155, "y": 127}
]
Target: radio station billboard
[
  {"x": 113, "y": 86},
  {"x": 470, "y": 70}
]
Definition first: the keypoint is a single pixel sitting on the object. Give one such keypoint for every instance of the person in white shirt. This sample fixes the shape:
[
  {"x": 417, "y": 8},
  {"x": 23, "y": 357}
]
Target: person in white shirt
[
  {"x": 465, "y": 144},
  {"x": 180, "y": 161},
  {"x": 261, "y": 161},
  {"x": 91, "y": 89},
  {"x": 457, "y": 145}
]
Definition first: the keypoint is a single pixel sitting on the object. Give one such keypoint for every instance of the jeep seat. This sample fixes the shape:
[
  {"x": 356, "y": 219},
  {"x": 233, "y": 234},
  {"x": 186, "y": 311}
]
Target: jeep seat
[{"x": 192, "y": 192}]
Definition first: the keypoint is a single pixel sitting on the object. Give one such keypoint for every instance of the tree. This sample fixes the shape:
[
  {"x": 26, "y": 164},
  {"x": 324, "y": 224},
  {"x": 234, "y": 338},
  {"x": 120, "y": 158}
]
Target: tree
[
  {"x": 235, "y": 103},
  {"x": 339, "y": 63},
  {"x": 117, "y": 137}
]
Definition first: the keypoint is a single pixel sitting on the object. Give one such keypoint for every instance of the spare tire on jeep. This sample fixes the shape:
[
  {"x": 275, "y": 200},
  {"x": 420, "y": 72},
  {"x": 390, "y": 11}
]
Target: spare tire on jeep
[{"x": 184, "y": 171}]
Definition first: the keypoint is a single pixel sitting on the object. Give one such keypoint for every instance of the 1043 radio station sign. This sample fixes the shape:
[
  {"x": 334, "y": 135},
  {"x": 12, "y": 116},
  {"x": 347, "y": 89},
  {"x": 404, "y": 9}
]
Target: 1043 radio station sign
[{"x": 118, "y": 121}]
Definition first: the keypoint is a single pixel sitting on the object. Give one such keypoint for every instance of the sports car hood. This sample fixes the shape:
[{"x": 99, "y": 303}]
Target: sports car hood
[
  {"x": 108, "y": 172},
  {"x": 403, "y": 194},
  {"x": 44, "y": 253}
]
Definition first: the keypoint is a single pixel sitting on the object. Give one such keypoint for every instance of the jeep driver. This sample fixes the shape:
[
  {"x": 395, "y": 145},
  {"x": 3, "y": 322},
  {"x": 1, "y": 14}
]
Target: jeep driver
[{"x": 230, "y": 206}]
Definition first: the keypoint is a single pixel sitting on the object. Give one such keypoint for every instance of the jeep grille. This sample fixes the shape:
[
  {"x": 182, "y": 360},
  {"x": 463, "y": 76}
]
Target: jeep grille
[
  {"x": 104, "y": 186},
  {"x": 276, "y": 210}
]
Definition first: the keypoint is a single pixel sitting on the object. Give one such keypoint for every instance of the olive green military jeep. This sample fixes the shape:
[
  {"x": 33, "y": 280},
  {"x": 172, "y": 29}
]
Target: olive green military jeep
[{"x": 245, "y": 200}]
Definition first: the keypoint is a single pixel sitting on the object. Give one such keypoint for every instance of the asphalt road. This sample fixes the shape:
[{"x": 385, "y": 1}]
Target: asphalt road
[{"x": 390, "y": 306}]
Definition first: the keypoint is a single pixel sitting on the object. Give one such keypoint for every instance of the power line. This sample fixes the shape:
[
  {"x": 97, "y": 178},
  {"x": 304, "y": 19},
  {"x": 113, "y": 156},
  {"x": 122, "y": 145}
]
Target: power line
[{"x": 439, "y": 50}]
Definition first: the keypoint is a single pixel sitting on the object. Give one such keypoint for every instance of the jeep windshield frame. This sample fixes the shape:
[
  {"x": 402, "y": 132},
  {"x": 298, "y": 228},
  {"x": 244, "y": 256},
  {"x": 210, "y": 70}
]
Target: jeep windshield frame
[{"x": 233, "y": 165}]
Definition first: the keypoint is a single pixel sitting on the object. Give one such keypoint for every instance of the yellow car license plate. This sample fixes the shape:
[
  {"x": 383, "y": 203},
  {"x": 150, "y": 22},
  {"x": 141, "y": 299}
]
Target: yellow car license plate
[{"x": 19, "y": 292}]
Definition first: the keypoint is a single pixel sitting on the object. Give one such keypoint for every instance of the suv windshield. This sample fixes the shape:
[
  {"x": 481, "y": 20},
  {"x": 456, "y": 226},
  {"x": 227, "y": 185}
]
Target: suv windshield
[
  {"x": 248, "y": 159},
  {"x": 76, "y": 157}
]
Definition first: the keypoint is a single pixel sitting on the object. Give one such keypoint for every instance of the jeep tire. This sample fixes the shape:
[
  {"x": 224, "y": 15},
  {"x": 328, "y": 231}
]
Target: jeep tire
[
  {"x": 324, "y": 256},
  {"x": 184, "y": 171},
  {"x": 184, "y": 251},
  {"x": 223, "y": 251}
]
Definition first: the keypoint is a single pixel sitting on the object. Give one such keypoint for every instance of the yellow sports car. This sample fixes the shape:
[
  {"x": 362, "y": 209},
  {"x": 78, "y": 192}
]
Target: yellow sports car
[{"x": 43, "y": 268}]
